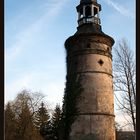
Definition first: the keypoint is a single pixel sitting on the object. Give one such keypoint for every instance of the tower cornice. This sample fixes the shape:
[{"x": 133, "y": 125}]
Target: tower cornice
[{"x": 99, "y": 37}]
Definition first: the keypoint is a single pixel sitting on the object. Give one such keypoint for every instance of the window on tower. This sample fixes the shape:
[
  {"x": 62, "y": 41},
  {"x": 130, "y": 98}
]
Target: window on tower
[
  {"x": 88, "y": 45},
  {"x": 81, "y": 12},
  {"x": 88, "y": 11},
  {"x": 101, "y": 62},
  {"x": 108, "y": 49},
  {"x": 95, "y": 11}
]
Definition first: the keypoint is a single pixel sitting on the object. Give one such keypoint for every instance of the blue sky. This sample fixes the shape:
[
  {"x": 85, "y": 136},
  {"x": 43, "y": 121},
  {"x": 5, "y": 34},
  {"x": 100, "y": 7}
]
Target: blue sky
[{"x": 35, "y": 32}]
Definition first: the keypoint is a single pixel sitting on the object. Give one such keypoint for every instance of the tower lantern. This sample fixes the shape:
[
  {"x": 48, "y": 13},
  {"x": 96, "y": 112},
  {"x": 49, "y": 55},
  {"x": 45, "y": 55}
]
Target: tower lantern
[{"x": 88, "y": 12}]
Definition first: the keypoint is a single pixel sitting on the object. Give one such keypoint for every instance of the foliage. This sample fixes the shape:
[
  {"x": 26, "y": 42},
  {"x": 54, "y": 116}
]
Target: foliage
[
  {"x": 10, "y": 122},
  {"x": 41, "y": 116},
  {"x": 27, "y": 118},
  {"x": 42, "y": 120},
  {"x": 19, "y": 116},
  {"x": 70, "y": 109},
  {"x": 55, "y": 122}
]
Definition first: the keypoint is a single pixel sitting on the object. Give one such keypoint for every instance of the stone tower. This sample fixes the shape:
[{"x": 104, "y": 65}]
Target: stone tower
[{"x": 89, "y": 58}]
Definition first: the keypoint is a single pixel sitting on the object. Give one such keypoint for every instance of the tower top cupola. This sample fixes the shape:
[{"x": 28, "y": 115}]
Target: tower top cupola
[{"x": 88, "y": 12}]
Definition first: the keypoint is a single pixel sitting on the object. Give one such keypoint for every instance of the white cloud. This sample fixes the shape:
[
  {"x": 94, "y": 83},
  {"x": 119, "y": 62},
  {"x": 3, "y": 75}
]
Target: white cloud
[{"x": 120, "y": 8}]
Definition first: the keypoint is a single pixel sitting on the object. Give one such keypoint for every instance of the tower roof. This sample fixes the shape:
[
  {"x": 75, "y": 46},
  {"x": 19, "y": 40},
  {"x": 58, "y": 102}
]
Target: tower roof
[{"x": 87, "y": 1}]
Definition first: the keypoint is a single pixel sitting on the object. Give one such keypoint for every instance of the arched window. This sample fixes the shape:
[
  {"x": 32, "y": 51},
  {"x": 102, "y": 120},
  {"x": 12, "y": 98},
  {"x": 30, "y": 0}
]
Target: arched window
[
  {"x": 88, "y": 11},
  {"x": 95, "y": 11},
  {"x": 81, "y": 12}
]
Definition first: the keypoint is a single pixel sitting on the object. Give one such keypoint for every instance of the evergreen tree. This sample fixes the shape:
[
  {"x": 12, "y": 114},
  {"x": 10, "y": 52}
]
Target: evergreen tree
[
  {"x": 42, "y": 122},
  {"x": 10, "y": 122},
  {"x": 56, "y": 122},
  {"x": 25, "y": 129}
]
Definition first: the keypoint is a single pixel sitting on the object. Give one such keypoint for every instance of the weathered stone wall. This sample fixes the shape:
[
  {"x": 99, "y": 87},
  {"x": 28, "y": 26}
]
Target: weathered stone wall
[
  {"x": 93, "y": 127},
  {"x": 97, "y": 93},
  {"x": 90, "y": 58}
]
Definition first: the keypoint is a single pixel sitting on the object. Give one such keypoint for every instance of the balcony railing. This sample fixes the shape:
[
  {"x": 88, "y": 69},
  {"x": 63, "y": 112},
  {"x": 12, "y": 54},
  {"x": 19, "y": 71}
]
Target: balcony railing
[{"x": 89, "y": 20}]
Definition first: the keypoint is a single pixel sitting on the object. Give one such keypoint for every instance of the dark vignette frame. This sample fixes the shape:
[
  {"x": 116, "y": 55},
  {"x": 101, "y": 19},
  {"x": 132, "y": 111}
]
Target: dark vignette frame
[
  {"x": 2, "y": 70},
  {"x": 138, "y": 69}
]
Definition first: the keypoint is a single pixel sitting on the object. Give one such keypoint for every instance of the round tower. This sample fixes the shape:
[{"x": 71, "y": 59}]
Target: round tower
[{"x": 89, "y": 58}]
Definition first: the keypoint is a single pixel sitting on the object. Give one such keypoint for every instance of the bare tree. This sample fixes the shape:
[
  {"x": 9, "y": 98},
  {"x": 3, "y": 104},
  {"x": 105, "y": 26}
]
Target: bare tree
[
  {"x": 21, "y": 111},
  {"x": 32, "y": 99},
  {"x": 124, "y": 80}
]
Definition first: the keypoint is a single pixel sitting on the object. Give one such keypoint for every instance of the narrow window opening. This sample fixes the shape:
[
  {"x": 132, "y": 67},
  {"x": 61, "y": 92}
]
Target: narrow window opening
[
  {"x": 88, "y": 11},
  {"x": 108, "y": 49},
  {"x": 88, "y": 46},
  {"x": 95, "y": 11},
  {"x": 81, "y": 12}
]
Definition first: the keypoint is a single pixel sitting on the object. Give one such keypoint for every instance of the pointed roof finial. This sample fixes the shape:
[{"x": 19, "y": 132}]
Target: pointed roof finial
[{"x": 42, "y": 104}]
